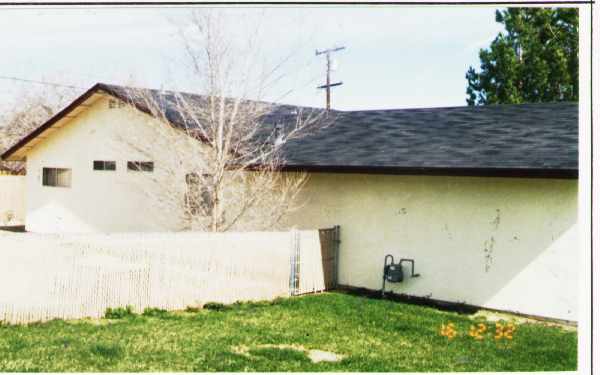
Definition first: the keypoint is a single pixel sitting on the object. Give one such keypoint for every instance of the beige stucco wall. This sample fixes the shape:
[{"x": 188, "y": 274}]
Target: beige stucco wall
[
  {"x": 504, "y": 243},
  {"x": 100, "y": 201}
]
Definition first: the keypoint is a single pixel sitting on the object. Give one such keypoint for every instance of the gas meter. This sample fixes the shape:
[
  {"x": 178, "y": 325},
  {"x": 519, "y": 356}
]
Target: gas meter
[{"x": 392, "y": 272}]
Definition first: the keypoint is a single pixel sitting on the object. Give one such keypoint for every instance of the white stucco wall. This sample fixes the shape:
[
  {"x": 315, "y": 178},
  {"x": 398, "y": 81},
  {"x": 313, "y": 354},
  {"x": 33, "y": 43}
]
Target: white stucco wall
[
  {"x": 99, "y": 201},
  {"x": 503, "y": 243}
]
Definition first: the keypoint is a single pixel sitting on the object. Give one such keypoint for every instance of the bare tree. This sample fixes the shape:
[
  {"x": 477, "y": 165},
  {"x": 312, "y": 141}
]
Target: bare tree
[
  {"x": 30, "y": 111},
  {"x": 222, "y": 153}
]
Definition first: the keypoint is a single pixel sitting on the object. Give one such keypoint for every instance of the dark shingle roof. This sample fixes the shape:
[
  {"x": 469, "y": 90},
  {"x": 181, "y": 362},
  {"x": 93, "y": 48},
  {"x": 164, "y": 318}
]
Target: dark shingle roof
[
  {"x": 527, "y": 136},
  {"x": 168, "y": 103},
  {"x": 513, "y": 140},
  {"x": 518, "y": 137}
]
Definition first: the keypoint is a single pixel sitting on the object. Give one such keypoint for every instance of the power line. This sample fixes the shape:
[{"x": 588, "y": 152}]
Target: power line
[{"x": 39, "y": 82}]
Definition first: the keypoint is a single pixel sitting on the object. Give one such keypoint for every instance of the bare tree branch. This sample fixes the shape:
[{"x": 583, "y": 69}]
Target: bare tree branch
[{"x": 225, "y": 147}]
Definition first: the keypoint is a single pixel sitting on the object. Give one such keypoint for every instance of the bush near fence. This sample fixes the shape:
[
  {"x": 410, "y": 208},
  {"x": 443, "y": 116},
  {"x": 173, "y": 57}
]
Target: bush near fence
[{"x": 44, "y": 277}]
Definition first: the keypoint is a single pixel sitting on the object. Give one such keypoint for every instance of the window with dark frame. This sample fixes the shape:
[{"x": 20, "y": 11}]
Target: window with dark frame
[
  {"x": 192, "y": 201},
  {"x": 104, "y": 165},
  {"x": 198, "y": 197},
  {"x": 140, "y": 166},
  {"x": 56, "y": 177}
]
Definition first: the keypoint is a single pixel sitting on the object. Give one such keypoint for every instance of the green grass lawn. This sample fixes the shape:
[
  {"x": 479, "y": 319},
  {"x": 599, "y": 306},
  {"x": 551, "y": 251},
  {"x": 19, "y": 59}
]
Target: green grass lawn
[{"x": 370, "y": 334}]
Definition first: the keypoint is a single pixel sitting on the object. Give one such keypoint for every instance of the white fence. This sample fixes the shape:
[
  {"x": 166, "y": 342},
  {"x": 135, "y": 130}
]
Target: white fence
[
  {"x": 12, "y": 200},
  {"x": 74, "y": 276}
]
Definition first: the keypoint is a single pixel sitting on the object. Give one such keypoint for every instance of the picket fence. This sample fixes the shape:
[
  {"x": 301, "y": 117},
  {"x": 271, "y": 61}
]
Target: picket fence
[
  {"x": 12, "y": 200},
  {"x": 43, "y": 277}
]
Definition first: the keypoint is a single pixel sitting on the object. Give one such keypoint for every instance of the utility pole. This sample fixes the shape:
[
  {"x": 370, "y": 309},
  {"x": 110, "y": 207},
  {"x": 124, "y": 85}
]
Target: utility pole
[{"x": 328, "y": 85}]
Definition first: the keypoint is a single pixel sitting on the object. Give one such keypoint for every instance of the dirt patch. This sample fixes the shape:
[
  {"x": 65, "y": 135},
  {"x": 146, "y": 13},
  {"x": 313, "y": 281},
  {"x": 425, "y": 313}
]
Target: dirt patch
[
  {"x": 317, "y": 356},
  {"x": 314, "y": 355}
]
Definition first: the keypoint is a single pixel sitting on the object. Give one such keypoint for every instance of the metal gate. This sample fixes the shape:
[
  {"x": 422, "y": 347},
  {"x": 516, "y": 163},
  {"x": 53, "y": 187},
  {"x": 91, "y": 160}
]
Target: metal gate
[{"x": 330, "y": 249}]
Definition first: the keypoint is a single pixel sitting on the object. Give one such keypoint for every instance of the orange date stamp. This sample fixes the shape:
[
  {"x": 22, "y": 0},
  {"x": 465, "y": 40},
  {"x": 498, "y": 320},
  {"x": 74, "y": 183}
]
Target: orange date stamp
[{"x": 478, "y": 331}]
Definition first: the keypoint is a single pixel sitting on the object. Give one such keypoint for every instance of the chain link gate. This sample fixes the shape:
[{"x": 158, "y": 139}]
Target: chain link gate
[
  {"x": 329, "y": 239},
  {"x": 330, "y": 249}
]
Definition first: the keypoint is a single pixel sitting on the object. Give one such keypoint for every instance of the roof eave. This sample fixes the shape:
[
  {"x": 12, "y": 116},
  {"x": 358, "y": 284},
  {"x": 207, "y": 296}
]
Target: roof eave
[
  {"x": 40, "y": 129},
  {"x": 98, "y": 87},
  {"x": 549, "y": 173}
]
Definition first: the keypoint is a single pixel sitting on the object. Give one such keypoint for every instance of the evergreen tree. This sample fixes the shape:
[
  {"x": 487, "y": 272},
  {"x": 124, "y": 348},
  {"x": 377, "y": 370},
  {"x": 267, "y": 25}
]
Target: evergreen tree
[{"x": 536, "y": 59}]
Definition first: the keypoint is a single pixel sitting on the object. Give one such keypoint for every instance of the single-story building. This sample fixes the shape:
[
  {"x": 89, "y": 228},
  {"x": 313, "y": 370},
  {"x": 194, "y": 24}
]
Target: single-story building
[{"x": 484, "y": 199}]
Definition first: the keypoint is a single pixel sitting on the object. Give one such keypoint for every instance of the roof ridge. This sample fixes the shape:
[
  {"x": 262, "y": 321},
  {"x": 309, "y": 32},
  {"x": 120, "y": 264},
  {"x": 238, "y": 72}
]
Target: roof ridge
[
  {"x": 109, "y": 87},
  {"x": 476, "y": 107}
]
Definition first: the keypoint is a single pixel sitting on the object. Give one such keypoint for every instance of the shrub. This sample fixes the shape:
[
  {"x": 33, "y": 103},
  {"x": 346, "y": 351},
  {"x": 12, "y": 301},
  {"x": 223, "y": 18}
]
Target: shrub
[
  {"x": 155, "y": 312},
  {"x": 217, "y": 306},
  {"x": 119, "y": 312}
]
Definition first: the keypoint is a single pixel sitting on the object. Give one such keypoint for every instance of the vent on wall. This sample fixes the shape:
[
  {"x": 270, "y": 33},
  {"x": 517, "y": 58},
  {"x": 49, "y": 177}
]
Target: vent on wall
[
  {"x": 115, "y": 103},
  {"x": 102, "y": 165}
]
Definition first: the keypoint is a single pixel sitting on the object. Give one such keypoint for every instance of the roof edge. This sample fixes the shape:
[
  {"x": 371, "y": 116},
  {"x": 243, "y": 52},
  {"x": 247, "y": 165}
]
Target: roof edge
[
  {"x": 548, "y": 173},
  {"x": 40, "y": 129},
  {"x": 59, "y": 115},
  {"x": 470, "y": 107}
]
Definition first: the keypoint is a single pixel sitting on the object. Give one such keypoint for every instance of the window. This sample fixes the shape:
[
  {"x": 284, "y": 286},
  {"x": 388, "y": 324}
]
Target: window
[
  {"x": 140, "y": 166},
  {"x": 192, "y": 195},
  {"x": 59, "y": 177},
  {"x": 198, "y": 198},
  {"x": 102, "y": 165}
]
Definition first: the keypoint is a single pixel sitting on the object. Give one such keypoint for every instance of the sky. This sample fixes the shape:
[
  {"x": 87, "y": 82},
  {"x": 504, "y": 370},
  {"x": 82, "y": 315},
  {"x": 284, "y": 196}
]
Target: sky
[{"x": 395, "y": 56}]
